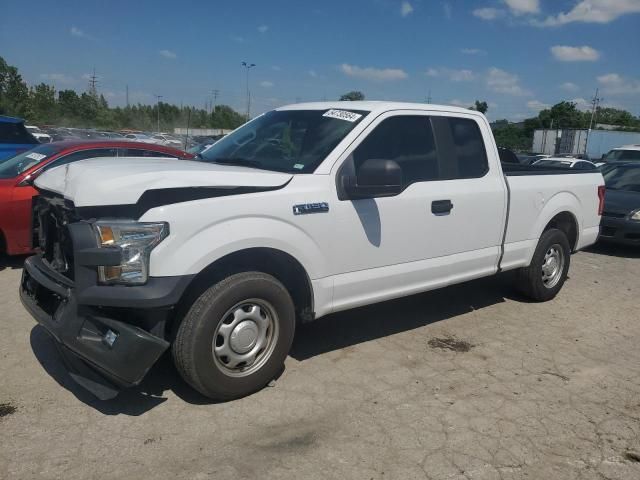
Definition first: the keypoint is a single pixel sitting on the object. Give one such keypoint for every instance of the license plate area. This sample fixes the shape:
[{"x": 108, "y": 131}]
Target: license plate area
[{"x": 47, "y": 301}]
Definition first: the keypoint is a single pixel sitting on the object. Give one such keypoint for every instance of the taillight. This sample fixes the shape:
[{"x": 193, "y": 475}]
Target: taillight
[{"x": 601, "y": 190}]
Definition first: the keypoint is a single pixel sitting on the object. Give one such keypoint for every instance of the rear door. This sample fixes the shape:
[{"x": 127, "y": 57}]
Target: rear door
[{"x": 445, "y": 226}]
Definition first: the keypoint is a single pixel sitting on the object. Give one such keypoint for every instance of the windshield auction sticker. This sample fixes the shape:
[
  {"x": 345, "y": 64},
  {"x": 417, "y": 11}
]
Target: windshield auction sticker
[
  {"x": 36, "y": 156},
  {"x": 342, "y": 115}
]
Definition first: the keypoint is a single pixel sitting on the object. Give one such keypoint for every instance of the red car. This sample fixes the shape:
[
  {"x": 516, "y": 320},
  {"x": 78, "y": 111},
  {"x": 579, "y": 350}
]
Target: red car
[{"x": 17, "y": 175}]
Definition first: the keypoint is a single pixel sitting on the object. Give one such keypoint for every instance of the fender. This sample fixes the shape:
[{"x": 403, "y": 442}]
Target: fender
[
  {"x": 189, "y": 253},
  {"x": 563, "y": 201}
]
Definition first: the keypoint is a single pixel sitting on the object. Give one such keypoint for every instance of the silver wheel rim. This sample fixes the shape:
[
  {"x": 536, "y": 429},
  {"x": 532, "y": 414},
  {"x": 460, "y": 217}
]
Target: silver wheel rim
[
  {"x": 552, "y": 266},
  {"x": 245, "y": 337}
]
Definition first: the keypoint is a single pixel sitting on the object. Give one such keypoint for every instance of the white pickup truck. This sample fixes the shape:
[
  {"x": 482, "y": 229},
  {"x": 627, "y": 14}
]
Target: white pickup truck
[{"x": 306, "y": 210}]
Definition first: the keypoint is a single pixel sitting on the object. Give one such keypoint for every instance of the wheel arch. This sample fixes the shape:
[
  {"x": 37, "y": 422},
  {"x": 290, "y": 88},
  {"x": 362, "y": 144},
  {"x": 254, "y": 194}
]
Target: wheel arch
[
  {"x": 281, "y": 265},
  {"x": 567, "y": 222}
]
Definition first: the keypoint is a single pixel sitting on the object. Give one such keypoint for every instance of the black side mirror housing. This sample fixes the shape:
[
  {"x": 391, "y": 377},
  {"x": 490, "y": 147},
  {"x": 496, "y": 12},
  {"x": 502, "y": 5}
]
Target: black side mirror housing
[{"x": 376, "y": 177}]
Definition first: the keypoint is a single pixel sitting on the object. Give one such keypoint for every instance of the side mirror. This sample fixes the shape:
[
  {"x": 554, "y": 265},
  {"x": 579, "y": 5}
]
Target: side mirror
[{"x": 376, "y": 177}]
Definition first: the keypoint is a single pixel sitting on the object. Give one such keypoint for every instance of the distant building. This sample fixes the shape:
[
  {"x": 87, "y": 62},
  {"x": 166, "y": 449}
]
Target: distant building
[{"x": 579, "y": 141}]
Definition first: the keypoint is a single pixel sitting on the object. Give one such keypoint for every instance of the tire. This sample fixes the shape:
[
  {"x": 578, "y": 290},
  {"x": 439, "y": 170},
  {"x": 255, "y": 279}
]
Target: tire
[
  {"x": 247, "y": 316},
  {"x": 531, "y": 280}
]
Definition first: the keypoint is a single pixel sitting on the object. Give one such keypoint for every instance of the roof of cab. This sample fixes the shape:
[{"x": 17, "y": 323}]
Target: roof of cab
[
  {"x": 629, "y": 147},
  {"x": 377, "y": 106},
  {"x": 5, "y": 119}
]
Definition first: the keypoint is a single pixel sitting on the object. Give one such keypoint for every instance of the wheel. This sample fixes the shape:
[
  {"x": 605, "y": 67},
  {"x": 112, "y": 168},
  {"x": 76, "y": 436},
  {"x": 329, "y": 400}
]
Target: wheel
[
  {"x": 235, "y": 337},
  {"x": 544, "y": 277}
]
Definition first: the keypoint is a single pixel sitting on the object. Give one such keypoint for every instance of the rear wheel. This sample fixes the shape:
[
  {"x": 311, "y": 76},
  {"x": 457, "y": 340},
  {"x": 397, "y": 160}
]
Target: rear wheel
[
  {"x": 544, "y": 277},
  {"x": 236, "y": 336}
]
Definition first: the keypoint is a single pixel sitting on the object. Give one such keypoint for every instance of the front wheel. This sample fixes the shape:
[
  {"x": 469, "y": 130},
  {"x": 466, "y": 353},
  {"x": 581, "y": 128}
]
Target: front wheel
[
  {"x": 236, "y": 336},
  {"x": 547, "y": 272}
]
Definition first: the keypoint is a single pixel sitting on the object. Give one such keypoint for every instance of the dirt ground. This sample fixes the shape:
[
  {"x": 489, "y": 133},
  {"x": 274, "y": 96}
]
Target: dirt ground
[{"x": 467, "y": 382}]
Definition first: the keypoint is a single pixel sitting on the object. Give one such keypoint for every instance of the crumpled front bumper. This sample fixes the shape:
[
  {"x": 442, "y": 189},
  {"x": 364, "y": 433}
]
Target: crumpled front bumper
[{"x": 100, "y": 328}]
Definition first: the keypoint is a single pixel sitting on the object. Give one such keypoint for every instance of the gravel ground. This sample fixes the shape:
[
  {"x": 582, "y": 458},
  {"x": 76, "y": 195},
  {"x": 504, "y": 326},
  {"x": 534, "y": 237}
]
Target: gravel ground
[{"x": 466, "y": 382}]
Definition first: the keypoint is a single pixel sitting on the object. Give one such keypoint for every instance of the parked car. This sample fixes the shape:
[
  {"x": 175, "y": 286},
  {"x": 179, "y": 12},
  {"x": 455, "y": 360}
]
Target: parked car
[
  {"x": 140, "y": 137},
  {"x": 168, "y": 140},
  {"x": 17, "y": 175},
  {"x": 621, "y": 215},
  {"x": 564, "y": 162},
  {"x": 41, "y": 136},
  {"x": 627, "y": 153},
  {"x": 14, "y": 137},
  {"x": 305, "y": 210}
]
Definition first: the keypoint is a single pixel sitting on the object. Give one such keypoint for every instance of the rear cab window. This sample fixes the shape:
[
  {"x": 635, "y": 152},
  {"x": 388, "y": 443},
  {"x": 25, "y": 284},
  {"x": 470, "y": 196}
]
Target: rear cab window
[
  {"x": 427, "y": 148},
  {"x": 16, "y": 133}
]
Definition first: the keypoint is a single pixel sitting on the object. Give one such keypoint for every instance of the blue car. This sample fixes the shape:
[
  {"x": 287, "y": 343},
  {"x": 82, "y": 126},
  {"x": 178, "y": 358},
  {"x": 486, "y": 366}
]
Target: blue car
[{"x": 14, "y": 137}]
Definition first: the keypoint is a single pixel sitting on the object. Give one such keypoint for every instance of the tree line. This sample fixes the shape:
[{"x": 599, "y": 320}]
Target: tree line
[
  {"x": 563, "y": 115},
  {"x": 43, "y": 105}
]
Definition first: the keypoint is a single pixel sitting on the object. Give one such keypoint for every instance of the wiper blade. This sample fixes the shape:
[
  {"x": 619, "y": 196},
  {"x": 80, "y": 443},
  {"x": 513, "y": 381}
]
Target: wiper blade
[{"x": 243, "y": 162}]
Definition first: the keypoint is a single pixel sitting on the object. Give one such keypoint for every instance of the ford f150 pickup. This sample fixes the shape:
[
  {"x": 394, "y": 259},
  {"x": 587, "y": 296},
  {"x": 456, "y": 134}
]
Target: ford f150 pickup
[{"x": 306, "y": 210}]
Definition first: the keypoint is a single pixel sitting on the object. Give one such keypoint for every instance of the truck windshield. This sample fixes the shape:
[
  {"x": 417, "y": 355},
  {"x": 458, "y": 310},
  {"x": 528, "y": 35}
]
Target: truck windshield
[
  {"x": 622, "y": 156},
  {"x": 625, "y": 177},
  {"x": 294, "y": 141},
  {"x": 14, "y": 166}
]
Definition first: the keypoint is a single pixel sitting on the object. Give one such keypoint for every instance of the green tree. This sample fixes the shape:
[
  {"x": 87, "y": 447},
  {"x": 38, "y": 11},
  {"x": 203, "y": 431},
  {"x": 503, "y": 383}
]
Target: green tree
[
  {"x": 14, "y": 93},
  {"x": 225, "y": 117},
  {"x": 43, "y": 108},
  {"x": 563, "y": 115},
  {"x": 481, "y": 107},
  {"x": 352, "y": 96}
]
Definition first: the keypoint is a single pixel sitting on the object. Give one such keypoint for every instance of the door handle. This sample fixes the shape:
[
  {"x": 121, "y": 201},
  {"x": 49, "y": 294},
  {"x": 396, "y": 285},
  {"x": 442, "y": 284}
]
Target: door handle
[{"x": 441, "y": 207}]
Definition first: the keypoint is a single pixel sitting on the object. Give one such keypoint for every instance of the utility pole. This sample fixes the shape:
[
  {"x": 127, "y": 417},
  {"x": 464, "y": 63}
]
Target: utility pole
[
  {"x": 127, "y": 90},
  {"x": 595, "y": 101},
  {"x": 248, "y": 66},
  {"x": 429, "y": 96},
  {"x": 215, "y": 92},
  {"x": 93, "y": 82},
  {"x": 158, "y": 97}
]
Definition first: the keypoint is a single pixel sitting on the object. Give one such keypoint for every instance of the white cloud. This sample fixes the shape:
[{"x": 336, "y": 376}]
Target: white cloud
[
  {"x": 488, "y": 13},
  {"x": 473, "y": 51},
  {"x": 266, "y": 84},
  {"x": 460, "y": 103},
  {"x": 501, "y": 81},
  {"x": 76, "y": 32},
  {"x": 312, "y": 73},
  {"x": 537, "y": 105},
  {"x": 375, "y": 74},
  {"x": 448, "y": 11},
  {"x": 522, "y": 7},
  {"x": 263, "y": 28},
  {"x": 237, "y": 38},
  {"x": 565, "y": 53},
  {"x": 569, "y": 87},
  {"x": 168, "y": 54},
  {"x": 58, "y": 78},
  {"x": 615, "y": 84},
  {"x": 593, "y": 11},
  {"x": 453, "y": 75},
  {"x": 582, "y": 104},
  {"x": 406, "y": 9}
]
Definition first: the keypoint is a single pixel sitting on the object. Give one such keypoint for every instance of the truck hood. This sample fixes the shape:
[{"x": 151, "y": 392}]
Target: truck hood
[{"x": 122, "y": 181}]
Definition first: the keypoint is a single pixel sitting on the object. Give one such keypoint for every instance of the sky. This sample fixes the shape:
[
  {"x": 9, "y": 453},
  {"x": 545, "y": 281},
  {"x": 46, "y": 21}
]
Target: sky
[{"x": 518, "y": 55}]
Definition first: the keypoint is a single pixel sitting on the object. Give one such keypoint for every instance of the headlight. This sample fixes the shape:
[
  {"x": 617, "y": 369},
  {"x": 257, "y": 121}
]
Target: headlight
[
  {"x": 635, "y": 216},
  {"x": 135, "y": 241}
]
